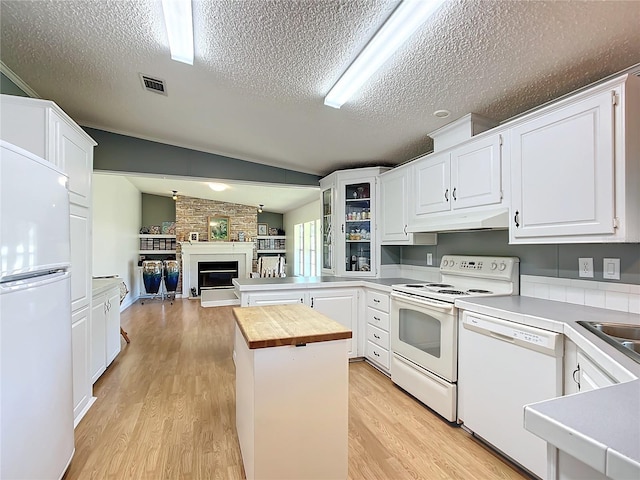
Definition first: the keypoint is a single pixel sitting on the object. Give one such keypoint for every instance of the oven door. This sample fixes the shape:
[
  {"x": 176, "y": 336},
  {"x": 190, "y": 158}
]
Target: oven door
[{"x": 424, "y": 332}]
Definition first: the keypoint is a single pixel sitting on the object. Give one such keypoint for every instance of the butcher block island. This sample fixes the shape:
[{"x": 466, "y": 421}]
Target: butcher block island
[{"x": 292, "y": 392}]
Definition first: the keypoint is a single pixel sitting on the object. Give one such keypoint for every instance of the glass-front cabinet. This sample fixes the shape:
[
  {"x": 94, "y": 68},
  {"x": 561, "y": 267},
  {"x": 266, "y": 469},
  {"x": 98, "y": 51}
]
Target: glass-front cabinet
[
  {"x": 349, "y": 246},
  {"x": 327, "y": 230},
  {"x": 357, "y": 229}
]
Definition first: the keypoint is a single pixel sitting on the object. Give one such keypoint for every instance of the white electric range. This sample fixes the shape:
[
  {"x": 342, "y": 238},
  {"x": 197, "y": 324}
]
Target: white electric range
[{"x": 424, "y": 325}]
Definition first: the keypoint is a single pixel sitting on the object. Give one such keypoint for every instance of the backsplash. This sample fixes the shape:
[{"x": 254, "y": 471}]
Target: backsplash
[
  {"x": 555, "y": 261},
  {"x": 613, "y": 296}
]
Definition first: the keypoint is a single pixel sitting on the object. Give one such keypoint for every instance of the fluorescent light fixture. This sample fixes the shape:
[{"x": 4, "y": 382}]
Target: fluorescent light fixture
[
  {"x": 218, "y": 187},
  {"x": 402, "y": 23},
  {"x": 179, "y": 21}
]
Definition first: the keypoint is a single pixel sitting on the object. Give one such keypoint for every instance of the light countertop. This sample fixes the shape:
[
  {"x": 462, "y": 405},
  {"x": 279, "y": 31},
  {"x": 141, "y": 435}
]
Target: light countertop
[
  {"x": 101, "y": 285},
  {"x": 286, "y": 283},
  {"x": 601, "y": 427},
  {"x": 280, "y": 325}
]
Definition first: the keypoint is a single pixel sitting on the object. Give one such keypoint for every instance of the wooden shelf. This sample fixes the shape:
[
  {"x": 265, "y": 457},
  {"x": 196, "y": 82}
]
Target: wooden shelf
[
  {"x": 270, "y": 251},
  {"x": 153, "y": 235},
  {"x": 156, "y": 252}
]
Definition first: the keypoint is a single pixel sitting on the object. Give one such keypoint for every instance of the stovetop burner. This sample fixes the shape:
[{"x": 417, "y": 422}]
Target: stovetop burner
[
  {"x": 438, "y": 285},
  {"x": 478, "y": 290},
  {"x": 452, "y": 292}
]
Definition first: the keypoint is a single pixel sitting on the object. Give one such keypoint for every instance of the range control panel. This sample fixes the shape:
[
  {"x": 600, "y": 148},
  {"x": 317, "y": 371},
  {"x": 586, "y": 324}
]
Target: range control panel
[{"x": 485, "y": 267}]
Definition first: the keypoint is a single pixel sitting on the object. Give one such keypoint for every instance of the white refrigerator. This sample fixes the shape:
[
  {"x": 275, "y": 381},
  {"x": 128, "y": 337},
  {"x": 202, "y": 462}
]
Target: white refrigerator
[{"x": 36, "y": 398}]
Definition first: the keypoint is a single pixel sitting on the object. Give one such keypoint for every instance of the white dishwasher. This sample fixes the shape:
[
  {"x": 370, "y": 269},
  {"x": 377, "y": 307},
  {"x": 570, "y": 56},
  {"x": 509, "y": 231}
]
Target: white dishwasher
[{"x": 503, "y": 366}]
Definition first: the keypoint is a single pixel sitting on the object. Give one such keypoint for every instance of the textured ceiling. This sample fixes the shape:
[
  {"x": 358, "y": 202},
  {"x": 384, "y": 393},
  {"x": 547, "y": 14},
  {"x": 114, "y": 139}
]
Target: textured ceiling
[{"x": 262, "y": 68}]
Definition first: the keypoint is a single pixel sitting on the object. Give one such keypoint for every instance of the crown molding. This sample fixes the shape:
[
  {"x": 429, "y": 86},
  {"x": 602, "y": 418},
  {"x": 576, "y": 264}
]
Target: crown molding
[{"x": 11, "y": 75}]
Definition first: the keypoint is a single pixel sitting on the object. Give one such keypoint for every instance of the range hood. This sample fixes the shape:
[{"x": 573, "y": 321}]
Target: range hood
[{"x": 457, "y": 222}]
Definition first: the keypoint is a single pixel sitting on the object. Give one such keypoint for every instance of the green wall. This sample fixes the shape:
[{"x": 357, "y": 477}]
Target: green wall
[
  {"x": 7, "y": 87},
  {"x": 541, "y": 260},
  {"x": 157, "y": 209},
  {"x": 121, "y": 153},
  {"x": 273, "y": 220}
]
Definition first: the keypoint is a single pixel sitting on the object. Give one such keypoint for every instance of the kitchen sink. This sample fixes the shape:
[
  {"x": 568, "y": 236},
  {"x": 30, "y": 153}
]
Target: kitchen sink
[{"x": 623, "y": 336}]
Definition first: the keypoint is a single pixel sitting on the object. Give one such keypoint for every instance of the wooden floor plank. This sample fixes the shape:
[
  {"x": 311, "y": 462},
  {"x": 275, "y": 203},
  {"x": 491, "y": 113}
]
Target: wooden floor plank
[{"x": 165, "y": 409}]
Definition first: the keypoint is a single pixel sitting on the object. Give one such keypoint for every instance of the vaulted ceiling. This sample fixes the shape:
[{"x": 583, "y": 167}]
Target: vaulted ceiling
[{"x": 263, "y": 67}]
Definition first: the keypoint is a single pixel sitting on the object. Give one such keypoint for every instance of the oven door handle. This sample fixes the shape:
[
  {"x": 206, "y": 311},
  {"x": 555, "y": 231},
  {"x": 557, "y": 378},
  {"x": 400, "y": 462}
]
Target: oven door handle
[{"x": 424, "y": 302}]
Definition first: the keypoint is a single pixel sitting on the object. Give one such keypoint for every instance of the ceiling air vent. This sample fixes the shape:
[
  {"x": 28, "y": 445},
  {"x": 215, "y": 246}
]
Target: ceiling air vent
[{"x": 153, "y": 84}]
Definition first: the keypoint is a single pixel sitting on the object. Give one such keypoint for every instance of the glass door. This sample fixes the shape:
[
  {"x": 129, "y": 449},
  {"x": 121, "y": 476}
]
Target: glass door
[
  {"x": 357, "y": 210},
  {"x": 327, "y": 229}
]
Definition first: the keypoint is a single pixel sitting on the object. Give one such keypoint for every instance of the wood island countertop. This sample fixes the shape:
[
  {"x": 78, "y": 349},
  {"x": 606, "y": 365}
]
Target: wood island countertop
[{"x": 280, "y": 325}]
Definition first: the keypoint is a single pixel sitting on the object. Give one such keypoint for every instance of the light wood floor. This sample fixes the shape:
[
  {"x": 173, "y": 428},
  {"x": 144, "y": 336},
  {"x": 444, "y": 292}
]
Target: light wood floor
[{"x": 165, "y": 409}]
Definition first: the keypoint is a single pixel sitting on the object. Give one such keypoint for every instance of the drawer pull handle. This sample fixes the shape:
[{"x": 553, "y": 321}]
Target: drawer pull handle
[
  {"x": 375, "y": 335},
  {"x": 376, "y": 319},
  {"x": 375, "y": 300},
  {"x": 376, "y": 353}
]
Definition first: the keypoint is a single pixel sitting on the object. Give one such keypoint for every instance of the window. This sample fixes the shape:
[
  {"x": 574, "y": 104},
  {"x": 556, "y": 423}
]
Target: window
[{"x": 305, "y": 246}]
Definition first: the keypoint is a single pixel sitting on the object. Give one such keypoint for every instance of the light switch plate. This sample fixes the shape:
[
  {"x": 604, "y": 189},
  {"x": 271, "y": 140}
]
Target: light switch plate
[
  {"x": 585, "y": 267},
  {"x": 611, "y": 268}
]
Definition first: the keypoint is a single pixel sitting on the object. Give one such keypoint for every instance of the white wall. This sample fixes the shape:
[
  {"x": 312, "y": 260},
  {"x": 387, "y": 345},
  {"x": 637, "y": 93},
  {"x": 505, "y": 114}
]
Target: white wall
[
  {"x": 117, "y": 213},
  {"x": 306, "y": 213}
]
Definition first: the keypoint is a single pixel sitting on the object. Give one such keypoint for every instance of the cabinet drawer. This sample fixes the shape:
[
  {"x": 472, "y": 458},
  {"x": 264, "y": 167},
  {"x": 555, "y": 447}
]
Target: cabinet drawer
[
  {"x": 378, "y": 300},
  {"x": 378, "y": 354},
  {"x": 378, "y": 336},
  {"x": 378, "y": 318}
]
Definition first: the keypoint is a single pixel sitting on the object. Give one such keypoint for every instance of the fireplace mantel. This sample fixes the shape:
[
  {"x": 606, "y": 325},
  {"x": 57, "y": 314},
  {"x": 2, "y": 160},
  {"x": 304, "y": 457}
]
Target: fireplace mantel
[{"x": 194, "y": 252}]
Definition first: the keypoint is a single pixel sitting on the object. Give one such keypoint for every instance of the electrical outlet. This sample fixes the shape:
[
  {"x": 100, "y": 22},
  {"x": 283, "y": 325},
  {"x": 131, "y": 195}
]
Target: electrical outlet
[
  {"x": 585, "y": 267},
  {"x": 429, "y": 258},
  {"x": 611, "y": 268}
]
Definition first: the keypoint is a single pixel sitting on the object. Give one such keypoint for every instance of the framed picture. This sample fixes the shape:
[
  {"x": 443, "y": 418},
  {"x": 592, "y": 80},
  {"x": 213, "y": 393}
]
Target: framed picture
[
  {"x": 193, "y": 236},
  {"x": 262, "y": 229},
  {"x": 218, "y": 229}
]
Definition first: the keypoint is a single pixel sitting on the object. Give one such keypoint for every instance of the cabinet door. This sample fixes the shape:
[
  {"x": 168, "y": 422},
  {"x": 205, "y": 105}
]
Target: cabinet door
[
  {"x": 80, "y": 354},
  {"x": 328, "y": 230},
  {"x": 592, "y": 376},
  {"x": 393, "y": 205},
  {"x": 339, "y": 305},
  {"x": 112, "y": 325},
  {"x": 74, "y": 154},
  {"x": 80, "y": 226},
  {"x": 280, "y": 298},
  {"x": 357, "y": 212},
  {"x": 432, "y": 178},
  {"x": 97, "y": 334},
  {"x": 476, "y": 173},
  {"x": 562, "y": 171}
]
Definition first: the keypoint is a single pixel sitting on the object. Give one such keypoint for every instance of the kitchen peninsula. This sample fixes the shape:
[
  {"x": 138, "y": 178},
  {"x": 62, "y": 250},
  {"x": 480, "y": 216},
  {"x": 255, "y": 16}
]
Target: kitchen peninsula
[{"x": 292, "y": 387}]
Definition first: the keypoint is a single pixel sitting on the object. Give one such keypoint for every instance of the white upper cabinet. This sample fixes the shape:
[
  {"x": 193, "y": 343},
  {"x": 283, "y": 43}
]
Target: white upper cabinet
[
  {"x": 350, "y": 245},
  {"x": 432, "y": 178},
  {"x": 476, "y": 173},
  {"x": 394, "y": 210},
  {"x": 464, "y": 177},
  {"x": 575, "y": 168}
]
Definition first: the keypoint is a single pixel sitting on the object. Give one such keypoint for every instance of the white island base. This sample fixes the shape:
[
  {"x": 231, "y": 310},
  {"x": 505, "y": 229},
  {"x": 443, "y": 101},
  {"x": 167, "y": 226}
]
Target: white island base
[{"x": 292, "y": 410}]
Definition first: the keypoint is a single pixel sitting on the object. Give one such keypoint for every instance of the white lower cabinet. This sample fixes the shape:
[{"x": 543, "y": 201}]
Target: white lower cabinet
[
  {"x": 82, "y": 391},
  {"x": 340, "y": 305},
  {"x": 285, "y": 297},
  {"x": 98, "y": 335},
  {"x": 581, "y": 372},
  {"x": 377, "y": 324},
  {"x": 104, "y": 331}
]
